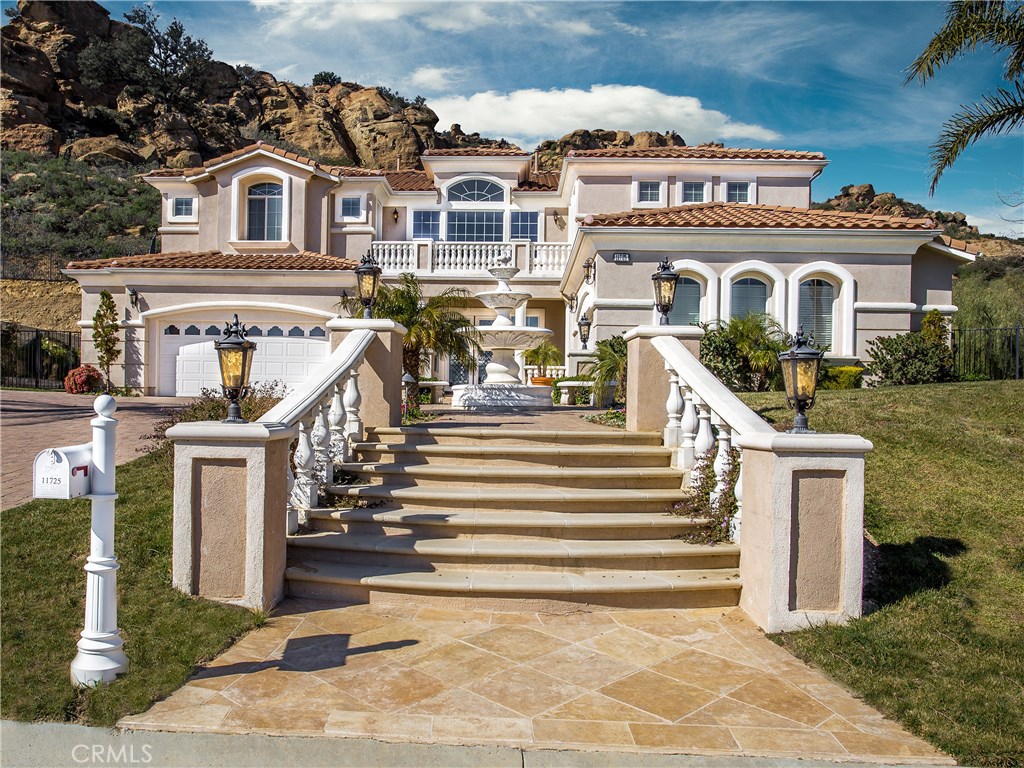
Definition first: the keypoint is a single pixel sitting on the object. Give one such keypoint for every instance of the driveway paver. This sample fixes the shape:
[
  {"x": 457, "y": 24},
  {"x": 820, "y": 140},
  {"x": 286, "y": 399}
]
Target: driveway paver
[{"x": 33, "y": 421}]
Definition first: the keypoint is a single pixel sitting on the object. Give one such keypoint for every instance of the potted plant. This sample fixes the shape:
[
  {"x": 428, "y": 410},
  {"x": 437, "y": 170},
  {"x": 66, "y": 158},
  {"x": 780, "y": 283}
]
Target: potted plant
[{"x": 543, "y": 356}]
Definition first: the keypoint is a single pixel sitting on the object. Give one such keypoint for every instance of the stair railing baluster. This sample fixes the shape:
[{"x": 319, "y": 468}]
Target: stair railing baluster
[
  {"x": 305, "y": 493},
  {"x": 336, "y": 424},
  {"x": 705, "y": 440},
  {"x": 737, "y": 519},
  {"x": 352, "y": 400},
  {"x": 320, "y": 437},
  {"x": 722, "y": 460},
  {"x": 687, "y": 429},
  {"x": 291, "y": 510},
  {"x": 674, "y": 408}
]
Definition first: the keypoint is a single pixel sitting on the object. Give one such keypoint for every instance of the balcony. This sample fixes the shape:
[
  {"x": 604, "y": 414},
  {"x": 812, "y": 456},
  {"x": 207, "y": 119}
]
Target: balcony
[{"x": 470, "y": 259}]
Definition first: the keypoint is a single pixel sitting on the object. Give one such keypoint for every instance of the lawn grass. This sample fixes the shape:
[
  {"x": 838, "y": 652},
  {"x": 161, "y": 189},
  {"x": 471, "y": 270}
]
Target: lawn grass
[
  {"x": 43, "y": 545},
  {"x": 944, "y": 651}
]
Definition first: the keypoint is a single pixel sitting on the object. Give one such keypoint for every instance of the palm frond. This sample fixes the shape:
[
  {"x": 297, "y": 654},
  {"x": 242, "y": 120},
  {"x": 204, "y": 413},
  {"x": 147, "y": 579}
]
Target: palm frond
[
  {"x": 970, "y": 24},
  {"x": 996, "y": 113}
]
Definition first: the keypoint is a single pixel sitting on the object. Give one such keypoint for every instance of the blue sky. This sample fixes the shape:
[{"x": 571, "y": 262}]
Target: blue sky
[{"x": 802, "y": 75}]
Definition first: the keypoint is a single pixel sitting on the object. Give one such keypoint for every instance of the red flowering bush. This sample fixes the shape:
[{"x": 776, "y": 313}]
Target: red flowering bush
[{"x": 83, "y": 380}]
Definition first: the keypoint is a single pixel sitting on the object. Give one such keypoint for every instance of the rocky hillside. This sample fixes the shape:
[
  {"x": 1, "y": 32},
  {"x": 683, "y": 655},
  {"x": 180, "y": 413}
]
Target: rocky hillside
[
  {"x": 550, "y": 153},
  {"x": 45, "y": 106}
]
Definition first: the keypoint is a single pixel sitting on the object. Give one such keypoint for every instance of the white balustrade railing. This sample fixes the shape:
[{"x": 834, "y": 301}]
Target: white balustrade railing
[
  {"x": 470, "y": 257},
  {"x": 392, "y": 256},
  {"x": 704, "y": 416},
  {"x": 553, "y": 371},
  {"x": 549, "y": 258},
  {"x": 326, "y": 410}
]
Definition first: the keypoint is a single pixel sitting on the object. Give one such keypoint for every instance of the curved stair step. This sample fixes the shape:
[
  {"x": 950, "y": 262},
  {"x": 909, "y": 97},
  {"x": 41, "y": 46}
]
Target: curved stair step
[
  {"x": 605, "y": 495},
  {"x": 431, "y": 475},
  {"x": 438, "y": 434},
  {"x": 513, "y": 455},
  {"x": 512, "y": 519}
]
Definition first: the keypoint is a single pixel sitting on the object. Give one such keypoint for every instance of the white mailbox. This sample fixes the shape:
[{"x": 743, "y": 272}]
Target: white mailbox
[{"x": 63, "y": 473}]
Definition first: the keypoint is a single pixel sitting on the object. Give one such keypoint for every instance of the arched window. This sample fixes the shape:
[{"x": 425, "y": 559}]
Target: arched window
[
  {"x": 815, "y": 314},
  {"x": 264, "y": 212},
  {"x": 318, "y": 332},
  {"x": 686, "y": 308},
  {"x": 192, "y": 330},
  {"x": 296, "y": 331},
  {"x": 172, "y": 330},
  {"x": 476, "y": 191},
  {"x": 749, "y": 297},
  {"x": 254, "y": 330},
  {"x": 212, "y": 330},
  {"x": 275, "y": 331}
]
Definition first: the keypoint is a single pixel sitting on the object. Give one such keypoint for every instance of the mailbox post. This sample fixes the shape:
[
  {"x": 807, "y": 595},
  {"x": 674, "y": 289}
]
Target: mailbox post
[{"x": 88, "y": 470}]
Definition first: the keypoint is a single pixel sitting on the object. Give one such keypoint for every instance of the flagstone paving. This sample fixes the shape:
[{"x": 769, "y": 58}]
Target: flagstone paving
[{"x": 698, "y": 681}]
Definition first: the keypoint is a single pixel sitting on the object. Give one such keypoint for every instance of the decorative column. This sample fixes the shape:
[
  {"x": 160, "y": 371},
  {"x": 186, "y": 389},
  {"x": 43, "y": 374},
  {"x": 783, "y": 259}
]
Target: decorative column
[
  {"x": 687, "y": 429},
  {"x": 352, "y": 400},
  {"x": 336, "y": 423},
  {"x": 674, "y": 409},
  {"x": 305, "y": 493},
  {"x": 320, "y": 438},
  {"x": 100, "y": 657},
  {"x": 723, "y": 462},
  {"x": 705, "y": 440}
]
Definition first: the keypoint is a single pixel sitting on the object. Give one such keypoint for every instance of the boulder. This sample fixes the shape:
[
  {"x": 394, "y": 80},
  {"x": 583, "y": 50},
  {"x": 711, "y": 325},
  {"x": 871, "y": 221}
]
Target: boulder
[
  {"x": 18, "y": 109},
  {"x": 105, "y": 150},
  {"x": 184, "y": 159},
  {"x": 31, "y": 137},
  {"x": 26, "y": 70},
  {"x": 84, "y": 16}
]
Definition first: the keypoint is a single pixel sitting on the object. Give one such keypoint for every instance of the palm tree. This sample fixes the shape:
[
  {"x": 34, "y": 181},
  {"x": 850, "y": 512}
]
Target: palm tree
[
  {"x": 432, "y": 325},
  {"x": 969, "y": 25},
  {"x": 609, "y": 367}
]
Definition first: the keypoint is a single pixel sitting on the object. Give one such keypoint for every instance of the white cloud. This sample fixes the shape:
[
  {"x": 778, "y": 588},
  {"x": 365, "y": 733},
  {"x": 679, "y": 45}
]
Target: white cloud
[
  {"x": 575, "y": 27},
  {"x": 534, "y": 115},
  {"x": 435, "y": 78}
]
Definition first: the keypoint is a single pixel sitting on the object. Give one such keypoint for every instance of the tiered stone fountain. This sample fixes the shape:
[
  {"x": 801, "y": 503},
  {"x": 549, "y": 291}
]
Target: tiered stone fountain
[{"x": 503, "y": 387}]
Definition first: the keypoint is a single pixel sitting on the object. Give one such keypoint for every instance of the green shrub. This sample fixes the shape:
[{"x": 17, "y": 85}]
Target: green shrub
[
  {"x": 744, "y": 353},
  {"x": 909, "y": 358},
  {"x": 840, "y": 377}
]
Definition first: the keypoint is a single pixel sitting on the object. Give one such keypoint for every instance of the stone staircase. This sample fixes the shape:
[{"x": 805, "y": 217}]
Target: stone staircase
[{"x": 503, "y": 519}]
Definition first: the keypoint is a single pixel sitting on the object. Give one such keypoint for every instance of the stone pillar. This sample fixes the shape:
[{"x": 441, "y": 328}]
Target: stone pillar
[
  {"x": 230, "y": 498},
  {"x": 647, "y": 379},
  {"x": 380, "y": 375},
  {"x": 577, "y": 361},
  {"x": 801, "y": 558}
]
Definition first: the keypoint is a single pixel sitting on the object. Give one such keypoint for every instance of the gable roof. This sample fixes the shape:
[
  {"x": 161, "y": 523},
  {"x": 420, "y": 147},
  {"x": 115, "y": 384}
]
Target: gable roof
[
  {"x": 698, "y": 153},
  {"x": 744, "y": 215},
  {"x": 302, "y": 261},
  {"x": 539, "y": 181},
  {"x": 409, "y": 181}
]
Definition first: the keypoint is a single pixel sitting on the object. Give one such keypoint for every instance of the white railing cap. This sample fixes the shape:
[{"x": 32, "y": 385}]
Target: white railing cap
[
  {"x": 709, "y": 388},
  {"x": 343, "y": 359},
  {"x": 654, "y": 331},
  {"x": 364, "y": 324},
  {"x": 254, "y": 432},
  {"x": 786, "y": 442}
]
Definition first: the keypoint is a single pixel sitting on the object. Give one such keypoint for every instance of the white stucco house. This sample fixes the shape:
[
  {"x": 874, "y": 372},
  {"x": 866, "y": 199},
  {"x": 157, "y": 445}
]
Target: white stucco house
[{"x": 274, "y": 237}]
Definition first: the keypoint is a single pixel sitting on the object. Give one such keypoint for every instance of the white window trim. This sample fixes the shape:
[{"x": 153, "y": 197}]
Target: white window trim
[
  {"x": 192, "y": 219},
  {"x": 680, "y": 186},
  {"x": 762, "y": 271},
  {"x": 751, "y": 190},
  {"x": 411, "y": 215},
  {"x": 239, "y": 195},
  {"x": 708, "y": 280},
  {"x": 661, "y": 202},
  {"x": 844, "y": 330},
  {"x": 363, "y": 207},
  {"x": 458, "y": 205}
]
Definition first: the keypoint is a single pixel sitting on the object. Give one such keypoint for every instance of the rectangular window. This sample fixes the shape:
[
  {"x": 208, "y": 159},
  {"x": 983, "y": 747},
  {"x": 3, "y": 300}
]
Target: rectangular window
[
  {"x": 693, "y": 191},
  {"x": 475, "y": 227},
  {"x": 533, "y": 321},
  {"x": 183, "y": 207},
  {"x": 351, "y": 208},
  {"x": 648, "y": 192},
  {"x": 426, "y": 225},
  {"x": 737, "y": 192},
  {"x": 524, "y": 225}
]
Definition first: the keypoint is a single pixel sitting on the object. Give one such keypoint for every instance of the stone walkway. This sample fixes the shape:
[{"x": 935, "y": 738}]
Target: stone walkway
[
  {"x": 698, "y": 682},
  {"x": 31, "y": 421}
]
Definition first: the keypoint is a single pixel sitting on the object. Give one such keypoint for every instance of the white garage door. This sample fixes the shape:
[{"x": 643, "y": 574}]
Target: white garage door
[{"x": 284, "y": 352}]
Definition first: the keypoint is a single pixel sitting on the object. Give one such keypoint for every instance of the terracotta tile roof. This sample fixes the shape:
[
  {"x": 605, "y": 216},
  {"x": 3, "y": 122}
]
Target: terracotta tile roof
[
  {"x": 475, "y": 152},
  {"x": 409, "y": 181},
  {"x": 333, "y": 170},
  {"x": 539, "y": 182},
  {"x": 302, "y": 261},
  {"x": 960, "y": 245},
  {"x": 752, "y": 216},
  {"x": 697, "y": 153},
  {"x": 174, "y": 172}
]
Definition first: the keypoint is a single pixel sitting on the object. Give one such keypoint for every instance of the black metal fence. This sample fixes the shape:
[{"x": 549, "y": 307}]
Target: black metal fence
[
  {"x": 30, "y": 357},
  {"x": 988, "y": 353}
]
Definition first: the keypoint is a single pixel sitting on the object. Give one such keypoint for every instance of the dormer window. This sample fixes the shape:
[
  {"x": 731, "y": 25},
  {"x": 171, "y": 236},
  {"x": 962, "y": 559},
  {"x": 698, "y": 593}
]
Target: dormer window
[
  {"x": 649, "y": 192},
  {"x": 476, "y": 191},
  {"x": 351, "y": 208},
  {"x": 693, "y": 191},
  {"x": 183, "y": 207},
  {"x": 265, "y": 212}
]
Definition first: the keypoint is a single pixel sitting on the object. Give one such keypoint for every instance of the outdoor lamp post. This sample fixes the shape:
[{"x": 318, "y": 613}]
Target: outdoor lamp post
[
  {"x": 664, "y": 290},
  {"x": 407, "y": 381},
  {"x": 800, "y": 365},
  {"x": 367, "y": 282},
  {"x": 584, "y": 325},
  {"x": 234, "y": 354}
]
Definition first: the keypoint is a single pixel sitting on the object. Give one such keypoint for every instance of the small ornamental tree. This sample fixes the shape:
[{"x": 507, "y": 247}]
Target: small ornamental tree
[{"x": 104, "y": 335}]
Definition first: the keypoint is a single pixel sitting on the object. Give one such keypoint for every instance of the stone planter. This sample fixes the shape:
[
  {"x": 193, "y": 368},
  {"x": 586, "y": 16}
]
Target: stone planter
[{"x": 542, "y": 381}]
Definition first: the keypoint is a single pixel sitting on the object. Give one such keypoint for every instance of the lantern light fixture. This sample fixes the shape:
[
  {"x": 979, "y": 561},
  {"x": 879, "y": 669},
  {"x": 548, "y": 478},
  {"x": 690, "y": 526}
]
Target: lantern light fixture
[
  {"x": 572, "y": 301},
  {"x": 394, "y": 215},
  {"x": 234, "y": 355},
  {"x": 589, "y": 271},
  {"x": 133, "y": 297},
  {"x": 664, "y": 280},
  {"x": 367, "y": 283},
  {"x": 800, "y": 364},
  {"x": 584, "y": 324}
]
